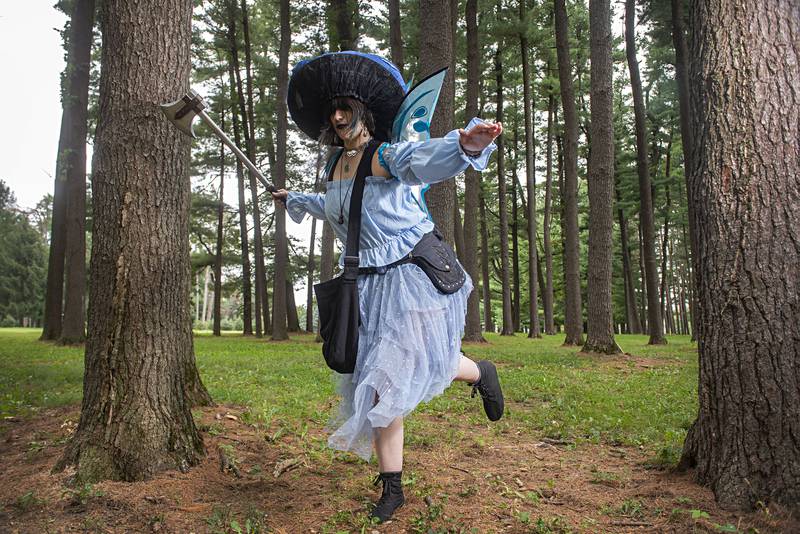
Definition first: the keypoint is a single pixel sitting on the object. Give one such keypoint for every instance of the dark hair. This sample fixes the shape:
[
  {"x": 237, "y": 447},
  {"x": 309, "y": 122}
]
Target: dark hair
[{"x": 360, "y": 113}]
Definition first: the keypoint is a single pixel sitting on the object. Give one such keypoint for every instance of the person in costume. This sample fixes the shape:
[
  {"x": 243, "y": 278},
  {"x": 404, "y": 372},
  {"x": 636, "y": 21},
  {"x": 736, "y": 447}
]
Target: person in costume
[{"x": 409, "y": 347}]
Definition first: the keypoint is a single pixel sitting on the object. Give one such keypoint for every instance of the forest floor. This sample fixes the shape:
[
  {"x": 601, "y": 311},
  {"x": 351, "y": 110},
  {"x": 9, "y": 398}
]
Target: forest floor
[{"x": 586, "y": 445}]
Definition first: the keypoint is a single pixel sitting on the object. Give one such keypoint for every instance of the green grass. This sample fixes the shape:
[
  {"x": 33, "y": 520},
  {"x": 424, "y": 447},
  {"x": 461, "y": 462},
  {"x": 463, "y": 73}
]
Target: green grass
[{"x": 550, "y": 390}]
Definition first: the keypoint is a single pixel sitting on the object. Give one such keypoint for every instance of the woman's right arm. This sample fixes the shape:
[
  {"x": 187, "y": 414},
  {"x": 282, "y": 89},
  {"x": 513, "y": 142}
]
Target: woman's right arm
[{"x": 298, "y": 204}]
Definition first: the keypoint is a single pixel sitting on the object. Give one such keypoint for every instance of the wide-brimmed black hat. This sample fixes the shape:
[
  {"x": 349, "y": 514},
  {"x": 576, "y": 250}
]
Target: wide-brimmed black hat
[{"x": 367, "y": 77}]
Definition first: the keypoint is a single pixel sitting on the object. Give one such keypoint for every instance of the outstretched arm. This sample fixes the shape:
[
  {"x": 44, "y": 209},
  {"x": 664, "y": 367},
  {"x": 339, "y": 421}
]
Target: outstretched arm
[
  {"x": 298, "y": 204},
  {"x": 441, "y": 158}
]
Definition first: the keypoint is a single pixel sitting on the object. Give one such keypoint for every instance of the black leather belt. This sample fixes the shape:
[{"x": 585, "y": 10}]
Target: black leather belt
[{"x": 383, "y": 268}]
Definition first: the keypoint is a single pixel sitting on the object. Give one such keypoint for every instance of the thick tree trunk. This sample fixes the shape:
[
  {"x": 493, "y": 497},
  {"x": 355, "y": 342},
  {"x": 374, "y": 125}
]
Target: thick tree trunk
[
  {"x": 342, "y": 27},
  {"x": 77, "y": 96},
  {"x": 530, "y": 182},
  {"x": 138, "y": 381},
  {"x": 279, "y": 293},
  {"x": 745, "y": 60},
  {"x": 573, "y": 317},
  {"x": 599, "y": 309},
  {"x": 436, "y": 51},
  {"x": 292, "y": 317},
  {"x": 472, "y": 329},
  {"x": 646, "y": 212},
  {"x": 547, "y": 294}
]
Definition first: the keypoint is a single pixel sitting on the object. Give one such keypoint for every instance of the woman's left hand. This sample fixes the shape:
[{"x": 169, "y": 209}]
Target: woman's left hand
[{"x": 479, "y": 136}]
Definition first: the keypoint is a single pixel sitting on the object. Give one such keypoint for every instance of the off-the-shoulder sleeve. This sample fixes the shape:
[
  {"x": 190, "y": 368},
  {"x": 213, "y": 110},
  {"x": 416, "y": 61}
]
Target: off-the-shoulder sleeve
[
  {"x": 298, "y": 204},
  {"x": 435, "y": 160}
]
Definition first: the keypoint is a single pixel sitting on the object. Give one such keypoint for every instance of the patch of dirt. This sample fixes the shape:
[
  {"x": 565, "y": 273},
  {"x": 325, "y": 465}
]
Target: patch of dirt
[
  {"x": 497, "y": 479},
  {"x": 627, "y": 362}
]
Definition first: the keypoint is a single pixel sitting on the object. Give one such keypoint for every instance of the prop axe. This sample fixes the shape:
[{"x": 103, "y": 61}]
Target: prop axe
[{"x": 182, "y": 112}]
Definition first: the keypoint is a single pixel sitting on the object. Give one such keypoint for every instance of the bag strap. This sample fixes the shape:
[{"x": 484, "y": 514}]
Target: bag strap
[{"x": 354, "y": 222}]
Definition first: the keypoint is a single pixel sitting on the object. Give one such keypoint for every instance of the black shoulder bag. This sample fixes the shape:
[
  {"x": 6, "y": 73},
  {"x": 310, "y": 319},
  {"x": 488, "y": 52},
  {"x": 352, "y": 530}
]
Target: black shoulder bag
[{"x": 337, "y": 299}]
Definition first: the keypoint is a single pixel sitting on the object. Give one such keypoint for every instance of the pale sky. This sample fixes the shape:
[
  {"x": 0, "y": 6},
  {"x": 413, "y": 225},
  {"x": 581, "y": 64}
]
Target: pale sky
[{"x": 31, "y": 60}]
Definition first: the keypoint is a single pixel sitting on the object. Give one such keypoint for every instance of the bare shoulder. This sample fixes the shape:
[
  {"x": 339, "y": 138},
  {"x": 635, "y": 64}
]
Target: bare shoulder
[{"x": 377, "y": 168}]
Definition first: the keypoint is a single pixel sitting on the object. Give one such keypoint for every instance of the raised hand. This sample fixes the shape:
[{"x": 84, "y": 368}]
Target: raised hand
[{"x": 479, "y": 136}]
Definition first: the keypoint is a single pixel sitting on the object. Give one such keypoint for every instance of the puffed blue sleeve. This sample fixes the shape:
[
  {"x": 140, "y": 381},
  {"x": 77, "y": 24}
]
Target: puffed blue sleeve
[
  {"x": 431, "y": 161},
  {"x": 298, "y": 204}
]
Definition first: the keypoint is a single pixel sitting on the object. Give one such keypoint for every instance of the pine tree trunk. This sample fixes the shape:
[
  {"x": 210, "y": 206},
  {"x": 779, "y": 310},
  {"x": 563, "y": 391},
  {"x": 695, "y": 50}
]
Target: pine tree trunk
[
  {"x": 140, "y": 375},
  {"x": 310, "y": 281},
  {"x": 77, "y": 96},
  {"x": 516, "y": 291},
  {"x": 247, "y": 310},
  {"x": 645, "y": 193},
  {"x": 502, "y": 201},
  {"x": 436, "y": 51},
  {"x": 342, "y": 24},
  {"x": 279, "y": 293},
  {"x": 745, "y": 61},
  {"x": 547, "y": 296},
  {"x": 599, "y": 309},
  {"x": 262, "y": 305},
  {"x": 530, "y": 182},
  {"x": 631, "y": 314},
  {"x": 249, "y": 150},
  {"x": 67, "y": 235},
  {"x": 488, "y": 322},
  {"x": 472, "y": 329},
  {"x": 220, "y": 233},
  {"x": 682, "y": 83},
  {"x": 292, "y": 317},
  {"x": 395, "y": 34},
  {"x": 573, "y": 320}
]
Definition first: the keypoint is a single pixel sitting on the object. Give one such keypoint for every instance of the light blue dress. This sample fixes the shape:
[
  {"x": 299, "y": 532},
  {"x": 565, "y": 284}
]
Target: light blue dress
[{"x": 410, "y": 335}]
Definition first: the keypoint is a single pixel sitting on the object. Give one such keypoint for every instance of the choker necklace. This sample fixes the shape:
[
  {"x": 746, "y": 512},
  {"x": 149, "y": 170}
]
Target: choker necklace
[{"x": 349, "y": 154}]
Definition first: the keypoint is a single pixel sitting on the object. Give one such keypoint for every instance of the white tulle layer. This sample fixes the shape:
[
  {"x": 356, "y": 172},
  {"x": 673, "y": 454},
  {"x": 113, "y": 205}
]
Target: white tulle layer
[{"x": 408, "y": 352}]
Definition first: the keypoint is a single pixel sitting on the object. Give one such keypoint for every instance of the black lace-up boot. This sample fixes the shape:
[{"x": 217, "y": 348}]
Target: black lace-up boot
[
  {"x": 392, "y": 497},
  {"x": 488, "y": 385}
]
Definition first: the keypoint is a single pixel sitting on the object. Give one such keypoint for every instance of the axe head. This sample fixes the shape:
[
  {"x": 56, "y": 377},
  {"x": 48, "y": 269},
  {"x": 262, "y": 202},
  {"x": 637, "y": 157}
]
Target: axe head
[{"x": 182, "y": 112}]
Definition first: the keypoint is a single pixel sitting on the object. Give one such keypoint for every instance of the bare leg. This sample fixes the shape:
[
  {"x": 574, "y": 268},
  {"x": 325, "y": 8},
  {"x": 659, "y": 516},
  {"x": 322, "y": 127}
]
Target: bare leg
[
  {"x": 467, "y": 370},
  {"x": 389, "y": 447}
]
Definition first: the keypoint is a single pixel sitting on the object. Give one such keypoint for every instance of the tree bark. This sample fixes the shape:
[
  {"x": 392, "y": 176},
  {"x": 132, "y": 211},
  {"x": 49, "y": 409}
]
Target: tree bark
[
  {"x": 472, "y": 329},
  {"x": 436, "y": 51},
  {"x": 310, "y": 280},
  {"x": 599, "y": 309},
  {"x": 573, "y": 321},
  {"x": 488, "y": 322},
  {"x": 682, "y": 83},
  {"x": 220, "y": 233},
  {"x": 395, "y": 34},
  {"x": 530, "y": 180},
  {"x": 73, "y": 327},
  {"x": 631, "y": 314},
  {"x": 516, "y": 291},
  {"x": 745, "y": 59},
  {"x": 502, "y": 200},
  {"x": 342, "y": 26},
  {"x": 279, "y": 294},
  {"x": 547, "y": 296},
  {"x": 139, "y": 385},
  {"x": 247, "y": 309},
  {"x": 68, "y": 235},
  {"x": 646, "y": 211}
]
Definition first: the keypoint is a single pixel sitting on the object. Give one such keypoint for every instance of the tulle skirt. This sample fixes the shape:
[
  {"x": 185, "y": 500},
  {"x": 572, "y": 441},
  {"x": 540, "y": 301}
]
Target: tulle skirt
[{"x": 408, "y": 352}]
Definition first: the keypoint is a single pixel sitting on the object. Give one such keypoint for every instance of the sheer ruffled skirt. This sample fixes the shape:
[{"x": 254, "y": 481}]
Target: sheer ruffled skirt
[{"x": 409, "y": 350}]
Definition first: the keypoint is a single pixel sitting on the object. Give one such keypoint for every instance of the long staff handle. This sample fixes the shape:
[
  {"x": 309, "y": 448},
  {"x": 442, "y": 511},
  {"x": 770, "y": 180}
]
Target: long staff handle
[{"x": 239, "y": 154}]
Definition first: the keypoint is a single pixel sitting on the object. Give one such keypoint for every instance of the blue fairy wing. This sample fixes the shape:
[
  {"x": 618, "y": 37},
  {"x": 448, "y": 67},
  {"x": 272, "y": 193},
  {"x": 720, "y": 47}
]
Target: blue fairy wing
[{"x": 413, "y": 119}]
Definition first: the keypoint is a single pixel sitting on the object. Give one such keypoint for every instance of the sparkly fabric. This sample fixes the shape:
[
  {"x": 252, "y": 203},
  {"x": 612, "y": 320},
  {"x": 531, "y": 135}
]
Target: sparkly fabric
[{"x": 410, "y": 334}]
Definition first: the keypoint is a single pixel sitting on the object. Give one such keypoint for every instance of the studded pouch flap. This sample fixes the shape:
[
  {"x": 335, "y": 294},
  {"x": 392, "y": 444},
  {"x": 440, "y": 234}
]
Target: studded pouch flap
[{"x": 436, "y": 258}]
